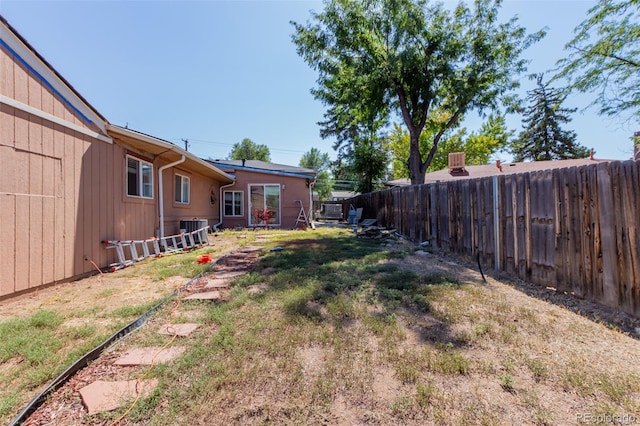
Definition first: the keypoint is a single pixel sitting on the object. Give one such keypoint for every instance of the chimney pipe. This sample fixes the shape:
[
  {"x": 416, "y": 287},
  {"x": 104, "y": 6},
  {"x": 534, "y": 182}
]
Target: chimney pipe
[{"x": 243, "y": 161}]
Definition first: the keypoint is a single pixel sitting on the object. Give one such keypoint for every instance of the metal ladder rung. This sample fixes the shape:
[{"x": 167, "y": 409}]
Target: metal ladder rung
[{"x": 142, "y": 249}]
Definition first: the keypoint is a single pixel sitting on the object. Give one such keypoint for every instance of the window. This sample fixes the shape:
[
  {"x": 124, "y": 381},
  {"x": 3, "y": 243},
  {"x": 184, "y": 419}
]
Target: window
[
  {"x": 139, "y": 178},
  {"x": 182, "y": 185},
  {"x": 265, "y": 204},
  {"x": 233, "y": 203}
]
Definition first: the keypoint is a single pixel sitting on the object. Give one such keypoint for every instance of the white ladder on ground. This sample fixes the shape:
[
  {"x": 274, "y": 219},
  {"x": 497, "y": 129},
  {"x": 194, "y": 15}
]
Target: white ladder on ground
[{"x": 302, "y": 216}]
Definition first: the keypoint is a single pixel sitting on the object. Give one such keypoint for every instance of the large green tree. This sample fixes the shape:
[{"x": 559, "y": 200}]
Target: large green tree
[
  {"x": 249, "y": 150},
  {"x": 379, "y": 59},
  {"x": 478, "y": 146},
  {"x": 320, "y": 162},
  {"x": 604, "y": 58},
  {"x": 542, "y": 137},
  {"x": 370, "y": 162},
  {"x": 315, "y": 160}
]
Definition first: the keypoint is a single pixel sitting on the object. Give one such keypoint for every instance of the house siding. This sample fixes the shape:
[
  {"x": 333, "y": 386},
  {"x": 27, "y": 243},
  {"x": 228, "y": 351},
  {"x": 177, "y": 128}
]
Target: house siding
[
  {"x": 295, "y": 188},
  {"x": 63, "y": 178},
  {"x": 46, "y": 202},
  {"x": 199, "y": 206},
  {"x": 40, "y": 197}
]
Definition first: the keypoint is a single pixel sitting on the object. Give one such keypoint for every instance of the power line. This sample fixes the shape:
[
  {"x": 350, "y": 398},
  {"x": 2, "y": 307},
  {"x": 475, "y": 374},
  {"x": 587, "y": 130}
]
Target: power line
[{"x": 210, "y": 142}]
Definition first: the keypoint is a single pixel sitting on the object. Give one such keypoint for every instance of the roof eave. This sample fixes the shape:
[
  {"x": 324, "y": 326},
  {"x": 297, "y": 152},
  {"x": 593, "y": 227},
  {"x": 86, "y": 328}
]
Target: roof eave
[
  {"x": 266, "y": 171},
  {"x": 222, "y": 176}
]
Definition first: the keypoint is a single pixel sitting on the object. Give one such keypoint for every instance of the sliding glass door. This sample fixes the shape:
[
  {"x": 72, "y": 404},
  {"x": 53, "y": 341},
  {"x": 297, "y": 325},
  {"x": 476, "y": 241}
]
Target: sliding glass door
[{"x": 264, "y": 202}]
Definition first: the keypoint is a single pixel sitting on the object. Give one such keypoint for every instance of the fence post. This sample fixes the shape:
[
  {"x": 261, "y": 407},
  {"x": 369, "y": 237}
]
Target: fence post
[{"x": 496, "y": 225}]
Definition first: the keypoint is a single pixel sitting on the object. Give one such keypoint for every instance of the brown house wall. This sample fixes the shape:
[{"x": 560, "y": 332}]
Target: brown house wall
[
  {"x": 295, "y": 189},
  {"x": 63, "y": 192},
  {"x": 199, "y": 206}
]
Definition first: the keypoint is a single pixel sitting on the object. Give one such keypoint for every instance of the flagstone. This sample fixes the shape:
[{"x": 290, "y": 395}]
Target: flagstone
[
  {"x": 101, "y": 396},
  {"x": 230, "y": 268},
  {"x": 228, "y": 274},
  {"x": 207, "y": 295},
  {"x": 251, "y": 249},
  {"x": 221, "y": 283},
  {"x": 149, "y": 355},
  {"x": 181, "y": 330}
]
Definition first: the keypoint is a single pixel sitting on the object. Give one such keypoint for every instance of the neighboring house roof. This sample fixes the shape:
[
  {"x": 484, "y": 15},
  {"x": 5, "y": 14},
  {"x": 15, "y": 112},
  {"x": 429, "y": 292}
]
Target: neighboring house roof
[
  {"x": 486, "y": 170},
  {"x": 11, "y": 40},
  {"x": 343, "y": 194},
  {"x": 171, "y": 152},
  {"x": 258, "y": 166}
]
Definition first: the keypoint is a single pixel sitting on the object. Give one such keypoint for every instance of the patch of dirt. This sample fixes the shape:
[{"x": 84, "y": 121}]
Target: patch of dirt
[{"x": 312, "y": 360}]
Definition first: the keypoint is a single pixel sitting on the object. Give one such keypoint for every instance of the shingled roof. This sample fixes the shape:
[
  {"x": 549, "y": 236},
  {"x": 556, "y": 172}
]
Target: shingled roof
[
  {"x": 486, "y": 170},
  {"x": 263, "y": 166}
]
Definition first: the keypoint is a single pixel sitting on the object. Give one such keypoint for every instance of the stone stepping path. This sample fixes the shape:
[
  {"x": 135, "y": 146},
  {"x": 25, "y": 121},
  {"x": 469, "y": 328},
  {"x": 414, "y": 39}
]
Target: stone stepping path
[
  {"x": 149, "y": 355},
  {"x": 101, "y": 396},
  {"x": 181, "y": 330}
]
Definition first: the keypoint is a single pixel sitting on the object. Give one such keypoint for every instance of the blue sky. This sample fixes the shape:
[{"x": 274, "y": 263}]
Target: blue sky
[{"x": 215, "y": 72}]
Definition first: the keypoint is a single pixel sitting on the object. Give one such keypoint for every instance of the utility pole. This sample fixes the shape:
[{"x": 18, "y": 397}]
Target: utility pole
[{"x": 186, "y": 144}]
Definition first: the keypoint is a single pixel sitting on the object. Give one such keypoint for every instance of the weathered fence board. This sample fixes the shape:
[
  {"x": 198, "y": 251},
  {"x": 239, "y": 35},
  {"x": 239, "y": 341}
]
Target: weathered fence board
[{"x": 575, "y": 229}]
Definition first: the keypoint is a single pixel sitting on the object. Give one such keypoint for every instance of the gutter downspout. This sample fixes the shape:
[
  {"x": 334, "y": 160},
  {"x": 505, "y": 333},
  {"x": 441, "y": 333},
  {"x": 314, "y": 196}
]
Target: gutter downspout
[
  {"x": 311, "y": 185},
  {"x": 160, "y": 194},
  {"x": 215, "y": 227}
]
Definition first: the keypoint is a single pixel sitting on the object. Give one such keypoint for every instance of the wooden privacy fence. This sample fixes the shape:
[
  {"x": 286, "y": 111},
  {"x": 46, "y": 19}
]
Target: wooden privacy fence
[{"x": 575, "y": 229}]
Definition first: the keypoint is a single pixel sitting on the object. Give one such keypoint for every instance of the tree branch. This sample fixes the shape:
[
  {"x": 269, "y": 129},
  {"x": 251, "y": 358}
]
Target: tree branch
[
  {"x": 450, "y": 123},
  {"x": 607, "y": 55}
]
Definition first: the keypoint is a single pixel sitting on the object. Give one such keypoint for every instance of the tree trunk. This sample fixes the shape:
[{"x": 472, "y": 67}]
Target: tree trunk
[{"x": 416, "y": 171}]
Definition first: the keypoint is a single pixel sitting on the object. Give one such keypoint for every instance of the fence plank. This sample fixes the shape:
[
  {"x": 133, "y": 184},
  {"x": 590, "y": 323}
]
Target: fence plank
[
  {"x": 608, "y": 239},
  {"x": 562, "y": 260},
  {"x": 628, "y": 236},
  {"x": 632, "y": 176},
  {"x": 575, "y": 223}
]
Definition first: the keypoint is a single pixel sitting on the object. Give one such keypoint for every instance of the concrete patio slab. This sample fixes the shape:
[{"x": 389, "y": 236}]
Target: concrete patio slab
[
  {"x": 101, "y": 396},
  {"x": 149, "y": 355},
  {"x": 182, "y": 330},
  {"x": 208, "y": 295}
]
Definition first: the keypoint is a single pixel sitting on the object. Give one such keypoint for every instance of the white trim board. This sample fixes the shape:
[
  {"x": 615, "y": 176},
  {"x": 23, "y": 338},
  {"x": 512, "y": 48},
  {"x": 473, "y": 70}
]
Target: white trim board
[
  {"x": 52, "y": 118},
  {"x": 28, "y": 56}
]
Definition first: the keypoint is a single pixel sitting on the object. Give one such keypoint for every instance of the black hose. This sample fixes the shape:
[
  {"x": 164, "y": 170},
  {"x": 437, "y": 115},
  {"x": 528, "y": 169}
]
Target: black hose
[{"x": 480, "y": 266}]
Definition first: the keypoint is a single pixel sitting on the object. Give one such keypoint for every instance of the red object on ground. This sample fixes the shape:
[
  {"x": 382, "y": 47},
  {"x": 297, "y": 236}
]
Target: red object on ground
[{"x": 204, "y": 258}]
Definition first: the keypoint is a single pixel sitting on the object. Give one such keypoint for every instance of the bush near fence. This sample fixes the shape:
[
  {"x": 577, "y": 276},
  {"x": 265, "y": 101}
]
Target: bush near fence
[{"x": 574, "y": 229}]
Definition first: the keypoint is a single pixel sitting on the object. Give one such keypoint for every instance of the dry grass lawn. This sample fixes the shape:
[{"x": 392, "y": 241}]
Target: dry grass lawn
[{"x": 349, "y": 332}]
